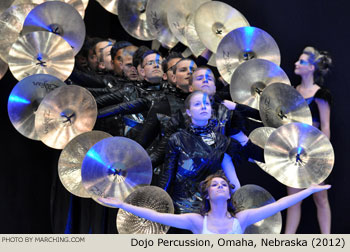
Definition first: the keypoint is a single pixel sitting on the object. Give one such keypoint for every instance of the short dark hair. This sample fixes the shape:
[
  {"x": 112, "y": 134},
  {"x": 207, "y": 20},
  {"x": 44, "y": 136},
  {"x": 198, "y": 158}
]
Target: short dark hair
[
  {"x": 137, "y": 57},
  {"x": 117, "y": 46},
  {"x": 172, "y": 55},
  {"x": 149, "y": 52},
  {"x": 190, "y": 81},
  {"x": 183, "y": 59}
]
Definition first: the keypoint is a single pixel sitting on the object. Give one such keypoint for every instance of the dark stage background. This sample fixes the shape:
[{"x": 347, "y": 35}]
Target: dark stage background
[{"x": 28, "y": 168}]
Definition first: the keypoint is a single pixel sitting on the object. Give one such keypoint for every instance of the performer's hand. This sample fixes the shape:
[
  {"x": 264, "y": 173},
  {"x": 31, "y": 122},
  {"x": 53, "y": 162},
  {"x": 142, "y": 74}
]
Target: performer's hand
[
  {"x": 229, "y": 104},
  {"x": 113, "y": 202}
]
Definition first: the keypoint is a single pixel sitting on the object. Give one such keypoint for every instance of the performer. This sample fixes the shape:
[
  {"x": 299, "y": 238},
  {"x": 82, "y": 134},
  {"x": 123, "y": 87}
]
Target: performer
[
  {"x": 312, "y": 67},
  {"x": 218, "y": 215}
]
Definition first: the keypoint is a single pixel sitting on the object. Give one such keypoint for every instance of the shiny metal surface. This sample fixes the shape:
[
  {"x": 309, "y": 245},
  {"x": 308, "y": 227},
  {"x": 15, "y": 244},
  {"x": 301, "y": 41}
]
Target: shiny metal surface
[
  {"x": 25, "y": 99},
  {"x": 214, "y": 19},
  {"x": 250, "y": 79},
  {"x": 109, "y": 5},
  {"x": 243, "y": 44},
  {"x": 59, "y": 18},
  {"x": 254, "y": 196},
  {"x": 260, "y": 135},
  {"x": 281, "y": 104},
  {"x": 71, "y": 159},
  {"x": 4, "y": 4},
  {"x": 11, "y": 24},
  {"x": 114, "y": 167},
  {"x": 41, "y": 52},
  {"x": 3, "y": 68},
  {"x": 178, "y": 17},
  {"x": 298, "y": 155},
  {"x": 63, "y": 114},
  {"x": 152, "y": 197},
  {"x": 133, "y": 18},
  {"x": 156, "y": 12}
]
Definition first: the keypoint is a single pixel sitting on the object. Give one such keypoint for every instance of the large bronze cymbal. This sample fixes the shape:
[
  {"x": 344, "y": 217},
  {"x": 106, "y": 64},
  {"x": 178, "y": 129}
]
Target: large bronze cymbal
[
  {"x": 133, "y": 18},
  {"x": 298, "y": 155},
  {"x": 214, "y": 19},
  {"x": 59, "y": 18},
  {"x": 243, "y": 44},
  {"x": 25, "y": 99},
  {"x": 156, "y": 11},
  {"x": 113, "y": 167},
  {"x": 5, "y": 4},
  {"x": 260, "y": 135},
  {"x": 3, "y": 68},
  {"x": 11, "y": 24},
  {"x": 152, "y": 197},
  {"x": 281, "y": 104},
  {"x": 250, "y": 79},
  {"x": 71, "y": 159},
  {"x": 41, "y": 52},
  {"x": 178, "y": 17},
  {"x": 65, "y": 113},
  {"x": 110, "y": 5},
  {"x": 254, "y": 196}
]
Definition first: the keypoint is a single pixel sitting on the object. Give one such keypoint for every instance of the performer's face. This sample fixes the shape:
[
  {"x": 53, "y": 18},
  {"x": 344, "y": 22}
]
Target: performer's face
[
  {"x": 203, "y": 80},
  {"x": 218, "y": 189},
  {"x": 303, "y": 66},
  {"x": 170, "y": 70},
  {"x": 152, "y": 70},
  {"x": 184, "y": 70},
  {"x": 103, "y": 53},
  {"x": 200, "y": 109},
  {"x": 129, "y": 70}
]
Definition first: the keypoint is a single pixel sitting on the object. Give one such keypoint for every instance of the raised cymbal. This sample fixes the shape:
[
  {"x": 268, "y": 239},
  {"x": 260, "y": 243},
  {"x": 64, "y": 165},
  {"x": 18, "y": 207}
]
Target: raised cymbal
[
  {"x": 243, "y": 44},
  {"x": 260, "y": 135},
  {"x": 71, "y": 159},
  {"x": 110, "y": 5},
  {"x": 152, "y": 197},
  {"x": 65, "y": 113},
  {"x": 4, "y": 4},
  {"x": 156, "y": 11},
  {"x": 41, "y": 52},
  {"x": 214, "y": 19},
  {"x": 281, "y": 104},
  {"x": 25, "y": 99},
  {"x": 3, "y": 68},
  {"x": 133, "y": 18},
  {"x": 179, "y": 15},
  {"x": 298, "y": 155},
  {"x": 59, "y": 18},
  {"x": 113, "y": 167},
  {"x": 11, "y": 24},
  {"x": 253, "y": 196},
  {"x": 250, "y": 79}
]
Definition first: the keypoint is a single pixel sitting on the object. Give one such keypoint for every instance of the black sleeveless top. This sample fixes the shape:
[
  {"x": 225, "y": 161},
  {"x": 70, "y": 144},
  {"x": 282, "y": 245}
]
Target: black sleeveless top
[{"x": 323, "y": 94}]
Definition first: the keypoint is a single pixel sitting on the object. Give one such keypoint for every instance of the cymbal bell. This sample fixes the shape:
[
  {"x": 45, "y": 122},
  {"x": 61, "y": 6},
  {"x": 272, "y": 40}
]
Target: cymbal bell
[
  {"x": 133, "y": 18},
  {"x": 298, "y": 155},
  {"x": 41, "y": 52},
  {"x": 156, "y": 11},
  {"x": 11, "y": 24},
  {"x": 71, "y": 159},
  {"x": 243, "y": 44},
  {"x": 113, "y": 167},
  {"x": 178, "y": 17},
  {"x": 214, "y": 19},
  {"x": 59, "y": 18},
  {"x": 260, "y": 135},
  {"x": 254, "y": 196},
  {"x": 25, "y": 98},
  {"x": 281, "y": 104},
  {"x": 152, "y": 197},
  {"x": 63, "y": 114},
  {"x": 250, "y": 78},
  {"x": 109, "y": 5}
]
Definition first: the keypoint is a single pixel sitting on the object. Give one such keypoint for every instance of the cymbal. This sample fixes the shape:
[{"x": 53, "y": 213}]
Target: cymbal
[
  {"x": 260, "y": 135},
  {"x": 133, "y": 18},
  {"x": 3, "y": 68},
  {"x": 41, "y": 52},
  {"x": 4, "y": 4},
  {"x": 152, "y": 197},
  {"x": 11, "y": 23},
  {"x": 254, "y": 196},
  {"x": 156, "y": 11},
  {"x": 71, "y": 159},
  {"x": 298, "y": 155},
  {"x": 281, "y": 104},
  {"x": 113, "y": 167},
  {"x": 214, "y": 19},
  {"x": 243, "y": 44},
  {"x": 178, "y": 17},
  {"x": 251, "y": 77},
  {"x": 25, "y": 98},
  {"x": 110, "y": 5},
  {"x": 59, "y": 18},
  {"x": 63, "y": 114}
]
